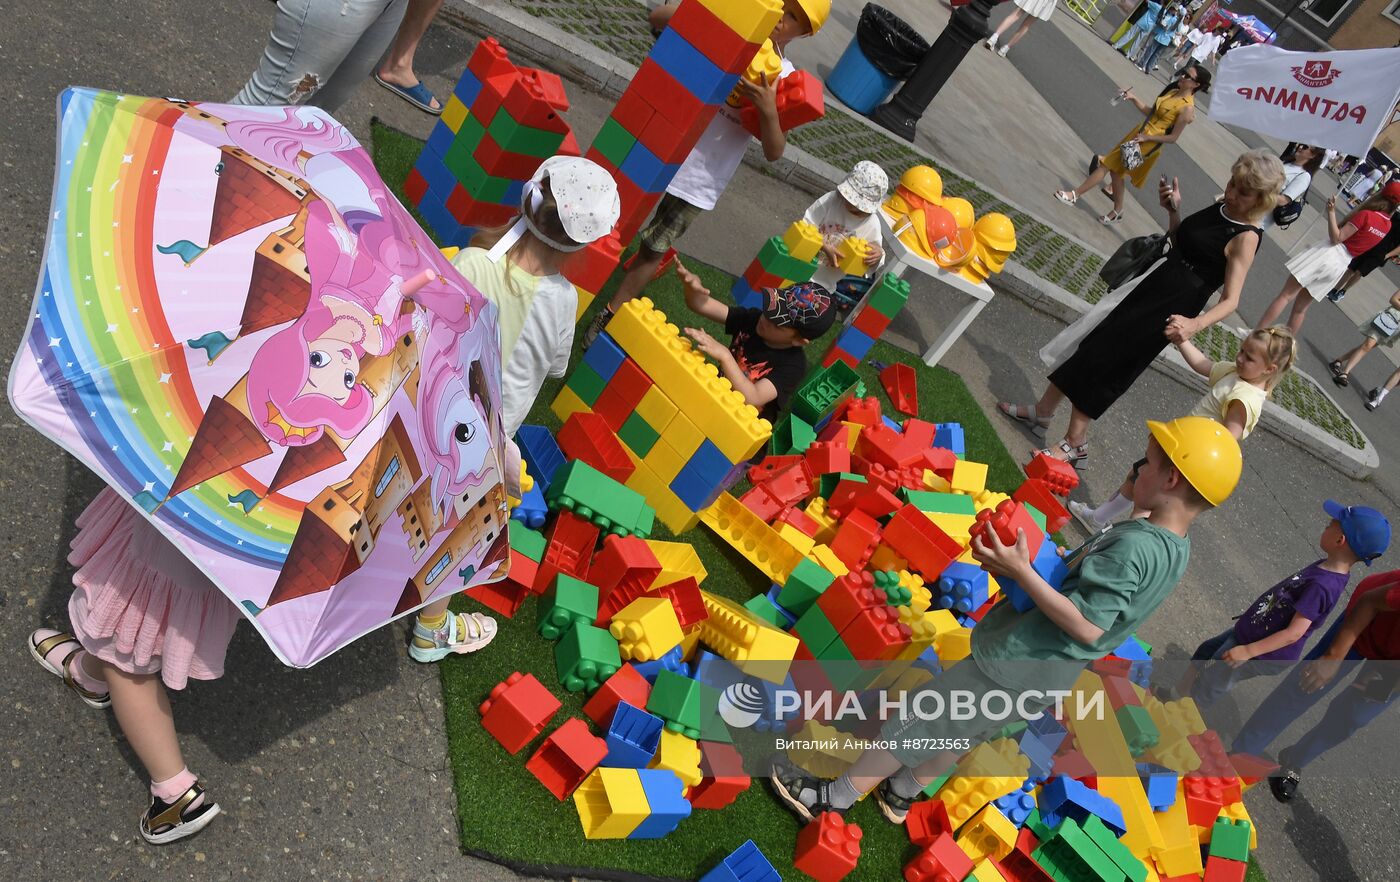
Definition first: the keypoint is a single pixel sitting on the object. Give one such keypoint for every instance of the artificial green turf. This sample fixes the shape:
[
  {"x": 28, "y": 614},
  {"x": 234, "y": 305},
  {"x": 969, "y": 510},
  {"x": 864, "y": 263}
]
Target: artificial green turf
[{"x": 503, "y": 811}]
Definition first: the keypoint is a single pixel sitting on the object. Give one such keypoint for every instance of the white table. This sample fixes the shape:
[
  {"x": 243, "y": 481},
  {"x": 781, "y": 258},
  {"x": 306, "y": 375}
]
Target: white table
[{"x": 901, "y": 257}]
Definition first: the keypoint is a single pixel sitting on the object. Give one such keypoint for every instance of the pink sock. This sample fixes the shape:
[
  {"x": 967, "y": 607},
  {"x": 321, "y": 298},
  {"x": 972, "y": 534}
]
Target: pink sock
[
  {"x": 82, "y": 677},
  {"x": 172, "y": 789}
]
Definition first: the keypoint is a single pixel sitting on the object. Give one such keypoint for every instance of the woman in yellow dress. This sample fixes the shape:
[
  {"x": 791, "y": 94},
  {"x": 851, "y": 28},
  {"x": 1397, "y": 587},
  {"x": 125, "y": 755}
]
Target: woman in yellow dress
[{"x": 1167, "y": 118}]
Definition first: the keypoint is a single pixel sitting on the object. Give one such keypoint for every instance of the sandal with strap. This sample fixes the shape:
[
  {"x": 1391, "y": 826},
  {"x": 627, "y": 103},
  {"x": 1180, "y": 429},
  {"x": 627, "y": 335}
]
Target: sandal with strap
[
  {"x": 40, "y": 647},
  {"x": 894, "y": 807},
  {"x": 1342, "y": 379},
  {"x": 1068, "y": 197},
  {"x": 1074, "y": 454},
  {"x": 1111, "y": 218},
  {"x": 1027, "y": 415},
  {"x": 460, "y": 634},
  {"x": 166, "y": 822}
]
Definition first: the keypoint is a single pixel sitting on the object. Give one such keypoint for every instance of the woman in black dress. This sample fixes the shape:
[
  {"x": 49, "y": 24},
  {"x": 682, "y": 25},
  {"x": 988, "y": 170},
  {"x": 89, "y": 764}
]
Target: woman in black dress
[{"x": 1214, "y": 246}]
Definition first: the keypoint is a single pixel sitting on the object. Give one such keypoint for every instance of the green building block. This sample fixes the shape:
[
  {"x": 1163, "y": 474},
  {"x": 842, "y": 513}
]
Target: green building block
[
  {"x": 888, "y": 295},
  {"x": 764, "y": 609},
  {"x": 803, "y": 586},
  {"x": 895, "y": 594},
  {"x": 613, "y": 141},
  {"x": 774, "y": 258},
  {"x": 939, "y": 503},
  {"x": 566, "y": 601},
  {"x": 517, "y": 138},
  {"x": 586, "y": 383},
  {"x": 792, "y": 435},
  {"x": 470, "y": 132},
  {"x": 1131, "y": 867},
  {"x": 530, "y": 543},
  {"x": 1229, "y": 839},
  {"x": 638, "y": 435},
  {"x": 464, "y": 167},
  {"x": 1070, "y": 855},
  {"x": 682, "y": 703},
  {"x": 585, "y": 657},
  {"x": 1138, "y": 729},
  {"x": 1041, "y": 830},
  {"x": 813, "y": 628},
  {"x": 593, "y": 496},
  {"x": 1035, "y": 514},
  {"x": 823, "y": 390}
]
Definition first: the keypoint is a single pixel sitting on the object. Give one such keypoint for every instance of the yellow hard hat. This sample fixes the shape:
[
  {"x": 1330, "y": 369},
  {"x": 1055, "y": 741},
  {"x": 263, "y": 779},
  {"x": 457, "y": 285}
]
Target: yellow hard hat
[
  {"x": 923, "y": 181},
  {"x": 997, "y": 231},
  {"x": 961, "y": 209},
  {"x": 817, "y": 12},
  {"x": 1205, "y": 453}
]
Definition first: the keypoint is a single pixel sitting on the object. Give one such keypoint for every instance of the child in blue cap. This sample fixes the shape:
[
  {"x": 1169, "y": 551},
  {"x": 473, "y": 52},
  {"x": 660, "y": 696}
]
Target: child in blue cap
[{"x": 1270, "y": 634}]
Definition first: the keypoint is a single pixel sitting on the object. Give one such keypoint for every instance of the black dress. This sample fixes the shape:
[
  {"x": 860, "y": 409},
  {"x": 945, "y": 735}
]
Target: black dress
[{"x": 1112, "y": 355}]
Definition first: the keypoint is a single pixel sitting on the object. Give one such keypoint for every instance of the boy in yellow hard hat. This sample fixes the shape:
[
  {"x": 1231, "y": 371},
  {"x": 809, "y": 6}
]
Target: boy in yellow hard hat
[
  {"x": 1115, "y": 582},
  {"x": 709, "y": 167}
]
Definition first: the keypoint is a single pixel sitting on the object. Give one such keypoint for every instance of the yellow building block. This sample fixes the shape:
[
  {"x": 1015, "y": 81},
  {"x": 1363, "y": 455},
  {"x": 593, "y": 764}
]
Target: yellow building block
[
  {"x": 987, "y": 834},
  {"x": 454, "y": 113},
  {"x": 1236, "y": 811},
  {"x": 611, "y": 803},
  {"x": 1103, "y": 745},
  {"x": 646, "y": 629},
  {"x": 749, "y": 535},
  {"x": 923, "y": 634},
  {"x": 1175, "y": 720},
  {"x": 567, "y": 403},
  {"x": 680, "y": 755},
  {"x": 943, "y": 621},
  {"x": 665, "y": 461},
  {"x": 585, "y": 300},
  {"x": 682, "y": 435},
  {"x": 796, "y": 538},
  {"x": 957, "y": 526},
  {"x": 990, "y": 770},
  {"x": 678, "y": 560},
  {"x": 969, "y": 477},
  {"x": 985, "y": 871},
  {"x": 936, "y": 482},
  {"x": 676, "y": 515},
  {"x": 955, "y": 645},
  {"x": 989, "y": 499},
  {"x": 753, "y": 645},
  {"x": 450, "y": 251},
  {"x": 886, "y": 558},
  {"x": 827, "y": 559},
  {"x": 767, "y": 65},
  {"x": 656, "y": 409},
  {"x": 803, "y": 241},
  {"x": 826, "y": 523},
  {"x": 850, "y": 255},
  {"x": 831, "y": 752},
  {"x": 1180, "y": 851},
  {"x": 688, "y": 379},
  {"x": 921, "y": 598},
  {"x": 902, "y": 678},
  {"x": 753, "y": 20}
]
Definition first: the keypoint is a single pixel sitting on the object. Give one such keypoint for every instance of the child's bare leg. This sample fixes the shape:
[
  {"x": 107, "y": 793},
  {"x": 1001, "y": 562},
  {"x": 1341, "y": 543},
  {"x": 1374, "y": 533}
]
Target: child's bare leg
[
  {"x": 645, "y": 265},
  {"x": 1020, "y": 32},
  {"x": 142, "y": 708},
  {"x": 1301, "y": 303},
  {"x": 1353, "y": 358},
  {"x": 1285, "y": 296}
]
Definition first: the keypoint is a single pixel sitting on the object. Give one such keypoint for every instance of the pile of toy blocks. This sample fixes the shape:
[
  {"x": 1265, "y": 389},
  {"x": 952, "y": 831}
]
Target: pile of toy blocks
[
  {"x": 647, "y": 409},
  {"x": 783, "y": 260},
  {"x": 500, "y": 122},
  {"x": 881, "y": 304}
]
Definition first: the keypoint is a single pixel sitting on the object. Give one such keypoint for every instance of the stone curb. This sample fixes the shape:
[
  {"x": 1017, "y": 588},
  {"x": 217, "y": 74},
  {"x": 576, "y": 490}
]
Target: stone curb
[{"x": 539, "y": 42}]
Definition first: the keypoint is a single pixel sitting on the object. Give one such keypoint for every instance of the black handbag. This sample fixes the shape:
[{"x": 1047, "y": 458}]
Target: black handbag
[
  {"x": 1286, "y": 214},
  {"x": 1133, "y": 258}
]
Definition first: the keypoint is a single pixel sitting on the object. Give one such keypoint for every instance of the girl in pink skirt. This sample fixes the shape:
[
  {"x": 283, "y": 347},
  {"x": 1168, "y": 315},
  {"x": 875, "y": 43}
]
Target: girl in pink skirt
[{"x": 145, "y": 618}]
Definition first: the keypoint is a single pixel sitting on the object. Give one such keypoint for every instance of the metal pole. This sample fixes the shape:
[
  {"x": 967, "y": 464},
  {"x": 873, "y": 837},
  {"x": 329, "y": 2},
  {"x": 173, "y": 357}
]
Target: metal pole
[
  {"x": 1284, "y": 20},
  {"x": 966, "y": 28}
]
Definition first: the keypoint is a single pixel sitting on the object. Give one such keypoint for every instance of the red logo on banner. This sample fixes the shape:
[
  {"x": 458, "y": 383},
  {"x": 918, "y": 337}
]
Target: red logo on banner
[{"x": 1316, "y": 74}]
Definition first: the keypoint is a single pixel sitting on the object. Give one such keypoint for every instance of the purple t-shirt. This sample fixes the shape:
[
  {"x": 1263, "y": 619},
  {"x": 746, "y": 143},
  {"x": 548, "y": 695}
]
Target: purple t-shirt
[{"x": 1311, "y": 592}]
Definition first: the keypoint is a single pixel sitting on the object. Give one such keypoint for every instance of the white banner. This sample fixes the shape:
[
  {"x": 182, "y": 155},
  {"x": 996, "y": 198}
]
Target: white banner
[{"x": 1339, "y": 100}]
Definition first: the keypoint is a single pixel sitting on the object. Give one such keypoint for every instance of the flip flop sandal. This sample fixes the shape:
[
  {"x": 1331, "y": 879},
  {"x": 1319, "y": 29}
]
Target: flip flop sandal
[
  {"x": 419, "y": 95},
  {"x": 1025, "y": 414},
  {"x": 40, "y": 650}
]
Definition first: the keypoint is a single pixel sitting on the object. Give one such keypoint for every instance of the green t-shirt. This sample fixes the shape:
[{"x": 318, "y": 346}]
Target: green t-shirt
[{"x": 1117, "y": 579}]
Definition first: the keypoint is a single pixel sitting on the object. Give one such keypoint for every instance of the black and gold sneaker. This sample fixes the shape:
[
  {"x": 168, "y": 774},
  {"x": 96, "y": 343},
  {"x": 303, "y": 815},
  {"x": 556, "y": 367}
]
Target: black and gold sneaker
[
  {"x": 596, "y": 326},
  {"x": 167, "y": 822}
]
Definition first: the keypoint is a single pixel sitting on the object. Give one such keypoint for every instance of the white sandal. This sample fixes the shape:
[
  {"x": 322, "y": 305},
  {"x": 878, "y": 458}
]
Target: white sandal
[
  {"x": 1027, "y": 415},
  {"x": 1068, "y": 197},
  {"x": 448, "y": 640},
  {"x": 1111, "y": 218}
]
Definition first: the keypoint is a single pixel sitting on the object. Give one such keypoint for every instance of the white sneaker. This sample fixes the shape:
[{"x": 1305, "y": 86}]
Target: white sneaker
[
  {"x": 1085, "y": 514},
  {"x": 990, "y": 42},
  {"x": 1003, "y": 50}
]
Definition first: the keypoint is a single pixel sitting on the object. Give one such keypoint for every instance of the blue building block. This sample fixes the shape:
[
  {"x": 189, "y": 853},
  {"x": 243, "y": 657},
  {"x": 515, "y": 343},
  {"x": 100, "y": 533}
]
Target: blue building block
[
  {"x": 532, "y": 509},
  {"x": 693, "y": 490},
  {"x": 1160, "y": 784},
  {"x": 701, "y": 77},
  {"x": 604, "y": 356},
  {"x": 950, "y": 437},
  {"x": 514, "y": 190},
  {"x": 441, "y": 181},
  {"x": 708, "y": 463},
  {"x": 632, "y": 737},
  {"x": 646, "y": 170},
  {"x": 745, "y": 296},
  {"x": 782, "y": 610},
  {"x": 716, "y": 671},
  {"x": 1017, "y": 805},
  {"x": 962, "y": 587},
  {"x": 929, "y": 661},
  {"x": 467, "y": 89},
  {"x": 662, "y": 788},
  {"x": 1062, "y": 797},
  {"x": 1048, "y": 564},
  {"x": 856, "y": 342},
  {"x": 775, "y": 718},
  {"x": 541, "y": 453},
  {"x": 745, "y": 864},
  {"x": 439, "y": 140},
  {"x": 1041, "y": 738},
  {"x": 1134, "y": 651},
  {"x": 672, "y": 661},
  {"x": 884, "y": 418}
]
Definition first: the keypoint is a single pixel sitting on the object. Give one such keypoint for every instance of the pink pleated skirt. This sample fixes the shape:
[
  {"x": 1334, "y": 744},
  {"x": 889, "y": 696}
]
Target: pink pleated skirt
[{"x": 139, "y": 604}]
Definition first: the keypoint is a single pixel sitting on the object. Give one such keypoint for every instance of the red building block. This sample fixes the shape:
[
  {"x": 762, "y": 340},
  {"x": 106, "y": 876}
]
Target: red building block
[
  {"x": 551, "y": 87},
  {"x": 723, "y": 777},
  {"x": 571, "y": 544},
  {"x": 1019, "y": 866},
  {"x": 872, "y": 324},
  {"x": 623, "y": 569},
  {"x": 504, "y": 598},
  {"x": 770, "y": 466},
  {"x": 900, "y": 382},
  {"x": 527, "y": 103},
  {"x": 586, "y": 436},
  {"x": 800, "y": 101},
  {"x": 865, "y": 411},
  {"x": 828, "y": 848},
  {"x": 701, "y": 27},
  {"x": 498, "y": 162},
  {"x": 1252, "y": 769},
  {"x": 850, "y": 496},
  {"x": 1205, "y": 797},
  {"x": 1120, "y": 693},
  {"x": 523, "y": 571},
  {"x": 1026, "y": 840},
  {"x": 685, "y": 599},
  {"x": 927, "y": 820},
  {"x": 883, "y": 445},
  {"x": 518, "y": 709},
  {"x": 632, "y": 113},
  {"x": 566, "y": 757},
  {"x": 1112, "y": 666},
  {"x": 666, "y": 95},
  {"x": 792, "y": 485},
  {"x": 1215, "y": 762},
  {"x": 799, "y": 519},
  {"x": 622, "y": 394},
  {"x": 1219, "y": 869},
  {"x": 826, "y": 457},
  {"x": 415, "y": 187},
  {"x": 942, "y": 861},
  {"x": 1034, "y": 491},
  {"x": 670, "y": 141},
  {"x": 626, "y": 685},
  {"x": 1059, "y": 474},
  {"x": 1074, "y": 764},
  {"x": 590, "y": 267},
  {"x": 919, "y": 540},
  {"x": 489, "y": 59},
  {"x": 762, "y": 503},
  {"x": 760, "y": 279},
  {"x": 856, "y": 539},
  {"x": 1008, "y": 518},
  {"x": 846, "y": 597},
  {"x": 876, "y": 634}
]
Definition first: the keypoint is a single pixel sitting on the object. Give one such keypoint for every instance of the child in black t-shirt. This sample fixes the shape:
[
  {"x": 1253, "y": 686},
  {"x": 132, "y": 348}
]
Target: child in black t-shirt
[{"x": 764, "y": 361}]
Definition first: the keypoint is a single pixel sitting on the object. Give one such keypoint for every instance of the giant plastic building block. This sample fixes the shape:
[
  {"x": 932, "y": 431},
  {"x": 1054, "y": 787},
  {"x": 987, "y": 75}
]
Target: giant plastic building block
[
  {"x": 517, "y": 710},
  {"x": 566, "y": 601},
  {"x": 586, "y": 436},
  {"x": 828, "y": 848},
  {"x": 1057, "y": 473},
  {"x": 566, "y": 757},
  {"x": 632, "y": 737},
  {"x": 749, "y": 535},
  {"x": 646, "y": 629},
  {"x": 1063, "y": 797},
  {"x": 679, "y": 755},
  {"x": 593, "y": 496},
  {"x": 823, "y": 392},
  {"x": 666, "y": 803},
  {"x": 927, "y": 548},
  {"x": 745, "y": 864},
  {"x": 941, "y": 861},
  {"x": 625, "y": 685},
  {"x": 585, "y": 657},
  {"x": 722, "y": 776},
  {"x": 611, "y": 803},
  {"x": 755, "y": 647},
  {"x": 682, "y": 703},
  {"x": 988, "y": 833}
]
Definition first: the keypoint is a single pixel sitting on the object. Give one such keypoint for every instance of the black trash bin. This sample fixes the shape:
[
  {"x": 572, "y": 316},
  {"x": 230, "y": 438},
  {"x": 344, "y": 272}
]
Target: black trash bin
[{"x": 884, "y": 51}]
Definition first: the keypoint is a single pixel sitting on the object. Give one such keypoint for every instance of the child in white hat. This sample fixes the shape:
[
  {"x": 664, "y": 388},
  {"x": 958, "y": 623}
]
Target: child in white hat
[{"x": 847, "y": 211}]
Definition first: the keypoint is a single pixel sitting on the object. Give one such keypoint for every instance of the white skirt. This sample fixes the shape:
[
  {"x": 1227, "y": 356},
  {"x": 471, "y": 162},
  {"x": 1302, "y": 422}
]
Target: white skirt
[
  {"x": 1041, "y": 9},
  {"x": 1319, "y": 267}
]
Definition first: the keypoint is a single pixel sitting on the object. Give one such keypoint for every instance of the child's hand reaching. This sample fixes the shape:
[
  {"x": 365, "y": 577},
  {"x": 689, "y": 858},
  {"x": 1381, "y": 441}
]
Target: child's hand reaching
[
  {"x": 873, "y": 253},
  {"x": 763, "y": 94},
  {"x": 707, "y": 344},
  {"x": 1000, "y": 559},
  {"x": 695, "y": 291},
  {"x": 832, "y": 254},
  {"x": 1236, "y": 656}
]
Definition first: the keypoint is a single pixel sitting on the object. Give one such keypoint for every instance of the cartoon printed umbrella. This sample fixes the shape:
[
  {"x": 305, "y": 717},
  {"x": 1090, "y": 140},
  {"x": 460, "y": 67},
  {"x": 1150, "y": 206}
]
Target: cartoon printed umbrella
[{"x": 245, "y": 334}]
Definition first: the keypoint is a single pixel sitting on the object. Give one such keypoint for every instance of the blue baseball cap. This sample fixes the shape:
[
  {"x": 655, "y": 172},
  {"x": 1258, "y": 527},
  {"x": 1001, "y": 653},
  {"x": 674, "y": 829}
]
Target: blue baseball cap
[{"x": 1366, "y": 530}]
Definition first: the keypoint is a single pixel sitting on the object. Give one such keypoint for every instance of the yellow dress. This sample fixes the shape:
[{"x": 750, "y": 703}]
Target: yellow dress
[{"x": 1164, "y": 113}]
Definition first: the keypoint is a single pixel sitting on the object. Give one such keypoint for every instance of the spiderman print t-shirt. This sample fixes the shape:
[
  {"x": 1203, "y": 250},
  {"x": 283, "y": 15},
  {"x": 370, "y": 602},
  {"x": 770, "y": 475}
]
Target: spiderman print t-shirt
[
  {"x": 784, "y": 368},
  {"x": 1311, "y": 592}
]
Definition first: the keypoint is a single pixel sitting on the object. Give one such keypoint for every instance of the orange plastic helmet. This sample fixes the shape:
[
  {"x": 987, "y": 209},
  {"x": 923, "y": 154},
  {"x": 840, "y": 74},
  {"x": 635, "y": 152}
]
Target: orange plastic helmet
[
  {"x": 958, "y": 252},
  {"x": 997, "y": 231},
  {"x": 941, "y": 226},
  {"x": 962, "y": 211},
  {"x": 923, "y": 181}
]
